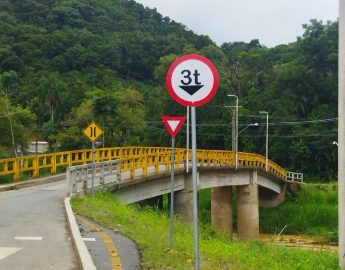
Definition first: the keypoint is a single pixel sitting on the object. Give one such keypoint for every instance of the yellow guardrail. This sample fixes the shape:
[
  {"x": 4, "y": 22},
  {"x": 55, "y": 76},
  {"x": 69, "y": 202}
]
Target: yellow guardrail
[{"x": 132, "y": 159}]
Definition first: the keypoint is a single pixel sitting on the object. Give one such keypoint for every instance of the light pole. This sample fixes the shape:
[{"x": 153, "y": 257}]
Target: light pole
[
  {"x": 335, "y": 143},
  {"x": 250, "y": 125},
  {"x": 266, "y": 138},
  {"x": 341, "y": 135},
  {"x": 236, "y": 148}
]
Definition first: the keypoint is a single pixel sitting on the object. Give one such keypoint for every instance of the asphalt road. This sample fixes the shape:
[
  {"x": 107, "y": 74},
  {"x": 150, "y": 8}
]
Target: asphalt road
[{"x": 33, "y": 229}]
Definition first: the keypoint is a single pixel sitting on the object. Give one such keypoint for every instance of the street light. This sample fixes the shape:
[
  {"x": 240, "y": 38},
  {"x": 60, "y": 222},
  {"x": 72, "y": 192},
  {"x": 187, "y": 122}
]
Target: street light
[
  {"x": 336, "y": 143},
  {"x": 266, "y": 138},
  {"x": 236, "y": 148},
  {"x": 250, "y": 125}
]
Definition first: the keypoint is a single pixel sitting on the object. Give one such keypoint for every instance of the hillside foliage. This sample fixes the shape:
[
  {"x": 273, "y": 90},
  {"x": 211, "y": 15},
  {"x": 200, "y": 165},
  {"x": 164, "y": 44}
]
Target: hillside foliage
[{"x": 64, "y": 63}]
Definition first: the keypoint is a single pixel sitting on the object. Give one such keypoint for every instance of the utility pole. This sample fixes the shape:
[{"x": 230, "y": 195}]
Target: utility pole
[{"x": 341, "y": 135}]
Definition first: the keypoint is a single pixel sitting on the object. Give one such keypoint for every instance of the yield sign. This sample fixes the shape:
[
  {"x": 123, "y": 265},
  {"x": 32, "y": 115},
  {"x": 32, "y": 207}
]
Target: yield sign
[{"x": 173, "y": 124}]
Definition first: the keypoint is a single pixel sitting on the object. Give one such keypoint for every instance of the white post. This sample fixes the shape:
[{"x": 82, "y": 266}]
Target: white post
[
  {"x": 172, "y": 188},
  {"x": 236, "y": 149},
  {"x": 266, "y": 139},
  {"x": 267, "y": 142},
  {"x": 236, "y": 132},
  {"x": 195, "y": 191},
  {"x": 341, "y": 135}
]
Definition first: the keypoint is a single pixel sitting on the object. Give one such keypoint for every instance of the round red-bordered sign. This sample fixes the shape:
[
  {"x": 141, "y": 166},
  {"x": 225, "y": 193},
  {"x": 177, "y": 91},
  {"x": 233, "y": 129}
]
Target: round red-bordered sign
[{"x": 192, "y": 80}]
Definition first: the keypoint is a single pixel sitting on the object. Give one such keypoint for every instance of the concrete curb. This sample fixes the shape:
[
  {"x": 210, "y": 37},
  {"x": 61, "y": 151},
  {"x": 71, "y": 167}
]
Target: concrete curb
[
  {"x": 82, "y": 252},
  {"x": 30, "y": 183}
]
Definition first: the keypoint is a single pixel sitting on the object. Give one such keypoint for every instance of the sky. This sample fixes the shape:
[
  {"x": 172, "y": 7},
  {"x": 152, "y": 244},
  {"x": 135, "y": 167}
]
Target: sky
[{"x": 273, "y": 22}]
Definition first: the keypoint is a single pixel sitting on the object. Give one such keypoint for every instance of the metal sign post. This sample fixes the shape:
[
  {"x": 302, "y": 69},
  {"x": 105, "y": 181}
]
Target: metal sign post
[
  {"x": 93, "y": 168},
  {"x": 174, "y": 125},
  {"x": 193, "y": 80},
  {"x": 172, "y": 187},
  {"x": 195, "y": 191},
  {"x": 93, "y": 132},
  {"x": 187, "y": 142},
  {"x": 341, "y": 136}
]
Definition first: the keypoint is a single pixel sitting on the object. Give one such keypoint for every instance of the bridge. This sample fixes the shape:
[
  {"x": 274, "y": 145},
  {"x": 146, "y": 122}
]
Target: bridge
[{"x": 143, "y": 173}]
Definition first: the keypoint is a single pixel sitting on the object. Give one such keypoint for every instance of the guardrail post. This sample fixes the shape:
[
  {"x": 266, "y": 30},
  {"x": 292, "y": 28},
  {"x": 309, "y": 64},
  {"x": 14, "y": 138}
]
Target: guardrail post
[
  {"x": 74, "y": 183},
  {"x": 16, "y": 168},
  {"x": 68, "y": 179},
  {"x": 84, "y": 157},
  {"x": 53, "y": 162},
  {"x": 85, "y": 173},
  {"x": 156, "y": 163},
  {"x": 36, "y": 166},
  {"x": 101, "y": 178},
  {"x": 118, "y": 174},
  {"x": 145, "y": 165},
  {"x": 70, "y": 159},
  {"x": 132, "y": 167}
]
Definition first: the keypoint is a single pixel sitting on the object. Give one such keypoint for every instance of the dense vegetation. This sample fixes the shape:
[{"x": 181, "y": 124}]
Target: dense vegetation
[
  {"x": 64, "y": 63},
  {"x": 150, "y": 229},
  {"x": 312, "y": 211}
]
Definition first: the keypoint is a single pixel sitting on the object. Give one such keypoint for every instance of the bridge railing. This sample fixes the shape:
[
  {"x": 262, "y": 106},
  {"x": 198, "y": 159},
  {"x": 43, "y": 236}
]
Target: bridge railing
[
  {"x": 294, "y": 177},
  {"x": 79, "y": 177},
  {"x": 133, "y": 159}
]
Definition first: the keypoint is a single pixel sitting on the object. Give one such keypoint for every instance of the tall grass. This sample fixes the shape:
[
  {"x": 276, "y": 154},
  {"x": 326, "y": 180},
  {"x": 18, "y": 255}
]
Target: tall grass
[
  {"x": 150, "y": 229},
  {"x": 314, "y": 211}
]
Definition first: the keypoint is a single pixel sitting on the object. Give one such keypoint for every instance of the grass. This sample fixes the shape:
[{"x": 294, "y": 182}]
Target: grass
[
  {"x": 314, "y": 212},
  {"x": 150, "y": 229}
]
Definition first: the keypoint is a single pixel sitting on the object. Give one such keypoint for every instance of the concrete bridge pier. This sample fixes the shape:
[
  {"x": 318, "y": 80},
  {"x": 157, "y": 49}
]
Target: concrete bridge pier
[
  {"x": 184, "y": 200},
  {"x": 221, "y": 209},
  {"x": 248, "y": 209}
]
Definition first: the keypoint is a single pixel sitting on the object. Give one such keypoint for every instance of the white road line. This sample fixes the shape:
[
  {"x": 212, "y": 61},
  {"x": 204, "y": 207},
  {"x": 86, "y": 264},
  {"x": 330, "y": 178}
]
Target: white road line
[
  {"x": 89, "y": 239},
  {"x": 29, "y": 238},
  {"x": 7, "y": 251}
]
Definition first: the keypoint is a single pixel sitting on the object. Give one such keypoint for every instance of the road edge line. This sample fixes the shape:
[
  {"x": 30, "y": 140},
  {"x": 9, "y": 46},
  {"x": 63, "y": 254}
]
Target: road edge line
[{"x": 82, "y": 252}]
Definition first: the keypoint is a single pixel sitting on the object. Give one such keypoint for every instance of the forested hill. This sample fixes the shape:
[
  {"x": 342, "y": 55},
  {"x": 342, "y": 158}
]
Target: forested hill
[{"x": 64, "y": 63}]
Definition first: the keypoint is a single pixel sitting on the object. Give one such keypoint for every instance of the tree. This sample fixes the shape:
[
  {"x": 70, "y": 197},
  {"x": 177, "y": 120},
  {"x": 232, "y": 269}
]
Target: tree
[{"x": 52, "y": 89}]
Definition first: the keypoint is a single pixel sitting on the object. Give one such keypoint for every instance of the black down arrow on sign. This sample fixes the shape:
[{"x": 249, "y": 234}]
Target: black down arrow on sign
[{"x": 191, "y": 89}]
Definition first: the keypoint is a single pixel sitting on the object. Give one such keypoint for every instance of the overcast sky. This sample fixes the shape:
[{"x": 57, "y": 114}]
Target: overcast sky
[{"x": 273, "y": 22}]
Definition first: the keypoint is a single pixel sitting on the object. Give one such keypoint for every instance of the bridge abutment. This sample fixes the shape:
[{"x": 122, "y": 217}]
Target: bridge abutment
[
  {"x": 221, "y": 209},
  {"x": 248, "y": 209}
]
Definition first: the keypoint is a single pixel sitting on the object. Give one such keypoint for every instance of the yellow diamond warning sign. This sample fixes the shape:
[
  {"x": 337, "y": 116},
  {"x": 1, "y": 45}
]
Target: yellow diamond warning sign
[{"x": 93, "y": 131}]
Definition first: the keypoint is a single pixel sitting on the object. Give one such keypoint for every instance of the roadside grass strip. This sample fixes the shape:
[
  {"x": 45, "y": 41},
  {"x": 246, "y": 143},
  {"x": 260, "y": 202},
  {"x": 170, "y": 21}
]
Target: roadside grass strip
[{"x": 150, "y": 229}]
